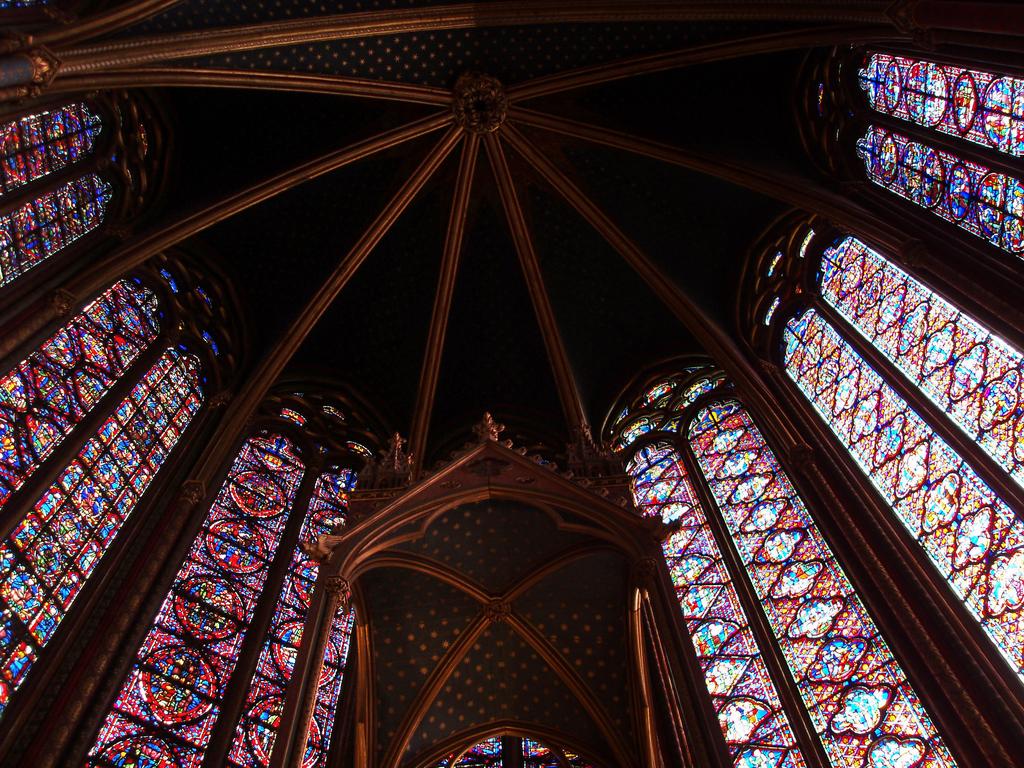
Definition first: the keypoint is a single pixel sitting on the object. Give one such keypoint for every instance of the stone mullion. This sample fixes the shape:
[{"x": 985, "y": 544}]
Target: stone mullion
[
  {"x": 511, "y": 752},
  {"x": 980, "y": 154},
  {"x": 96, "y": 162},
  {"x": 233, "y": 703},
  {"x": 915, "y": 611},
  {"x": 771, "y": 652},
  {"x": 976, "y": 276}
]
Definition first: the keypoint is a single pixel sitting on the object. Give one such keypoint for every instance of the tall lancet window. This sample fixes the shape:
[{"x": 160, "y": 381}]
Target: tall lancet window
[
  {"x": 957, "y": 371},
  {"x": 212, "y": 678},
  {"x": 859, "y": 700},
  {"x": 167, "y": 707},
  {"x": 856, "y": 697},
  {"x": 257, "y": 730},
  {"x": 749, "y": 711},
  {"x": 33, "y": 149},
  {"x": 975, "y": 377},
  {"x": 981, "y": 111},
  {"x": 37, "y": 145}
]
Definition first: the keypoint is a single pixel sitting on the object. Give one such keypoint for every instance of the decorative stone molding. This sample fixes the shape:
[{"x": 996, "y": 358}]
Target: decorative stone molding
[
  {"x": 498, "y": 610},
  {"x": 488, "y": 429},
  {"x": 479, "y": 103},
  {"x": 192, "y": 492},
  {"x": 62, "y": 302}
]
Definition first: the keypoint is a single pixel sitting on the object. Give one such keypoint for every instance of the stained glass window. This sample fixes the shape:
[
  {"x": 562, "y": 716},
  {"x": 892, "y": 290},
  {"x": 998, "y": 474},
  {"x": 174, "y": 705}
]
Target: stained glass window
[
  {"x": 669, "y": 398},
  {"x": 38, "y": 229},
  {"x": 37, "y": 145},
  {"x": 973, "y": 539},
  {"x": 49, "y": 392},
  {"x": 538, "y": 755},
  {"x": 859, "y": 700},
  {"x": 486, "y": 754},
  {"x": 55, "y": 549},
  {"x": 978, "y": 106},
  {"x": 750, "y": 714},
  {"x": 987, "y": 204},
  {"x": 971, "y": 374},
  {"x": 165, "y": 710},
  {"x": 256, "y": 732},
  {"x": 494, "y": 752}
]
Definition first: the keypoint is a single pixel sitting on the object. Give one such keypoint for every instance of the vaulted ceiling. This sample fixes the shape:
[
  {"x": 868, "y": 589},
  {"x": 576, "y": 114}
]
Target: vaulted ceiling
[{"x": 695, "y": 228}]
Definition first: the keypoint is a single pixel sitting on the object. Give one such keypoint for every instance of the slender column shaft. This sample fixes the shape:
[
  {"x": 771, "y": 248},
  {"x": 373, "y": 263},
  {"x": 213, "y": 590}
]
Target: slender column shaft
[
  {"x": 568, "y": 392},
  {"x": 290, "y": 746},
  {"x": 196, "y": 77},
  {"x": 671, "y": 692},
  {"x": 120, "y": 53},
  {"x": 270, "y": 367},
  {"x": 442, "y": 302},
  {"x": 713, "y": 338}
]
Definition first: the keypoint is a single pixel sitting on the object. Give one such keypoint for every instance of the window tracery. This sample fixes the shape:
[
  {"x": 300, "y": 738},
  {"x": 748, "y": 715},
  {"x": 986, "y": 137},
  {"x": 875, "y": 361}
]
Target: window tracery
[
  {"x": 256, "y": 732},
  {"x": 860, "y": 703},
  {"x": 166, "y": 708},
  {"x": 986, "y": 203},
  {"x": 37, "y": 145},
  {"x": 52, "y": 390},
  {"x": 981, "y": 107}
]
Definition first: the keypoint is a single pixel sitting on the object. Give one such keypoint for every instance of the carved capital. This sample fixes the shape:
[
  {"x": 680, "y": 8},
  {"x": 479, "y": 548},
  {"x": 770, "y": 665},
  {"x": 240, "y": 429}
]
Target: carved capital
[
  {"x": 318, "y": 550},
  {"x": 644, "y": 571},
  {"x": 902, "y": 14},
  {"x": 192, "y": 492},
  {"x": 340, "y": 590},
  {"x": 801, "y": 456},
  {"x": 221, "y": 399},
  {"x": 479, "y": 103},
  {"x": 914, "y": 253},
  {"x": 337, "y": 586},
  {"x": 497, "y": 610},
  {"x": 62, "y": 302},
  {"x": 44, "y": 65}
]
